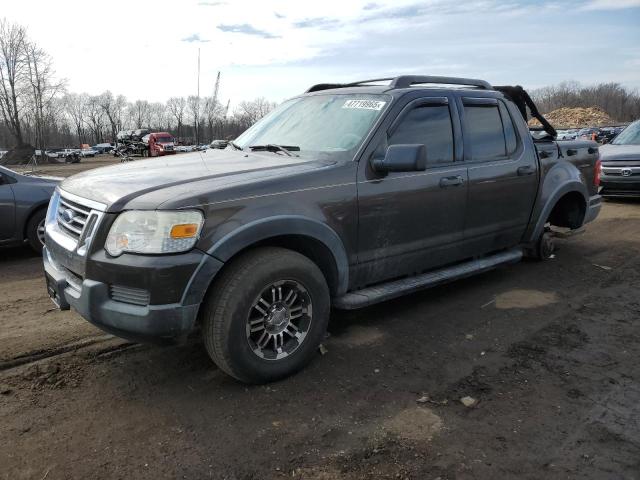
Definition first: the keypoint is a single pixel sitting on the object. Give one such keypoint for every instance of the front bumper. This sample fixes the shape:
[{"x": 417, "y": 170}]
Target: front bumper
[
  {"x": 619, "y": 186},
  {"x": 157, "y": 323}
]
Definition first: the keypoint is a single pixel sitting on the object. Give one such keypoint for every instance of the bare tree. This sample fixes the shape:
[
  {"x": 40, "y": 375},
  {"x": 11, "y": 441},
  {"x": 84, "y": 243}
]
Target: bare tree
[
  {"x": 212, "y": 111},
  {"x": 619, "y": 102},
  {"x": 75, "y": 106},
  {"x": 43, "y": 90},
  {"x": 254, "y": 110},
  {"x": 194, "y": 108},
  {"x": 95, "y": 119},
  {"x": 113, "y": 108},
  {"x": 157, "y": 115},
  {"x": 12, "y": 71},
  {"x": 176, "y": 107},
  {"x": 140, "y": 113}
]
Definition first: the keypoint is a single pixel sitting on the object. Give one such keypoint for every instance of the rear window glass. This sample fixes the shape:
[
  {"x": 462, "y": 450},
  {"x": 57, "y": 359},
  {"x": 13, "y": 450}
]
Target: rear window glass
[
  {"x": 509, "y": 129},
  {"x": 484, "y": 131}
]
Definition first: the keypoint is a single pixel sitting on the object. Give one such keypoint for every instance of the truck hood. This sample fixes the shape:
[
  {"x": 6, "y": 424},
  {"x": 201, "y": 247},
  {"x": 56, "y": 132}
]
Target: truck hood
[
  {"x": 116, "y": 185},
  {"x": 612, "y": 153}
]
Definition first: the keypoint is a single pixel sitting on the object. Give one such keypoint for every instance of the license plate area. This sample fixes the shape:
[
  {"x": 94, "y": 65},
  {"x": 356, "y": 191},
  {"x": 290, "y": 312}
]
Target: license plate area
[{"x": 56, "y": 293}]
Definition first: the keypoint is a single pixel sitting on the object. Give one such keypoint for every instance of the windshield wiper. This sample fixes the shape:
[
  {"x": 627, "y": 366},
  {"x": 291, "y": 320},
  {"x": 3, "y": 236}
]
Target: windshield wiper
[
  {"x": 234, "y": 145},
  {"x": 272, "y": 147}
]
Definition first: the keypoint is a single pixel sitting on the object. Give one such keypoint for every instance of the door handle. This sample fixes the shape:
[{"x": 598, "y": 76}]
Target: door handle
[
  {"x": 451, "y": 181},
  {"x": 525, "y": 170}
]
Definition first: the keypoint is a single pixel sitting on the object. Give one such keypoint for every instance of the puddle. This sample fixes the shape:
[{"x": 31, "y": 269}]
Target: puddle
[
  {"x": 525, "y": 299},
  {"x": 358, "y": 336},
  {"x": 417, "y": 423}
]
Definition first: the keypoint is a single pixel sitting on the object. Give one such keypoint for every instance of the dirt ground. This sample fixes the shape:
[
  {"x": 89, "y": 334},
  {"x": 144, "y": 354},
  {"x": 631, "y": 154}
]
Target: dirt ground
[
  {"x": 67, "y": 169},
  {"x": 548, "y": 353}
]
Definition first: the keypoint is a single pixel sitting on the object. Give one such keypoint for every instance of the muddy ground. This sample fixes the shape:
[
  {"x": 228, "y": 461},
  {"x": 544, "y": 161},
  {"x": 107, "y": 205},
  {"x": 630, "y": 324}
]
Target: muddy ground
[
  {"x": 548, "y": 350},
  {"x": 67, "y": 169}
]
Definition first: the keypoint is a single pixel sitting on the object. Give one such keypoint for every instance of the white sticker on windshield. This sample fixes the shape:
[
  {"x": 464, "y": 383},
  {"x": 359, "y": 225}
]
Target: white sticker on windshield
[{"x": 364, "y": 104}]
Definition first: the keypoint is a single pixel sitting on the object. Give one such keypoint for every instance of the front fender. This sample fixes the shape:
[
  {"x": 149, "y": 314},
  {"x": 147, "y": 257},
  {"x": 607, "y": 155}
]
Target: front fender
[{"x": 245, "y": 236}]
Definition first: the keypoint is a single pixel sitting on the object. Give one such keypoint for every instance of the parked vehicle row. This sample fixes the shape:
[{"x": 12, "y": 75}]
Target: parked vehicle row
[{"x": 603, "y": 134}]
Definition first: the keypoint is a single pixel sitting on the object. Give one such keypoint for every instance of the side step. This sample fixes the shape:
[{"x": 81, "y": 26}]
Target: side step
[{"x": 387, "y": 291}]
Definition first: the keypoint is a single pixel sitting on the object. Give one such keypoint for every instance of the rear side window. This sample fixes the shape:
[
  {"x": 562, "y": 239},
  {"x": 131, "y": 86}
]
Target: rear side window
[
  {"x": 509, "y": 129},
  {"x": 429, "y": 125},
  {"x": 484, "y": 131}
]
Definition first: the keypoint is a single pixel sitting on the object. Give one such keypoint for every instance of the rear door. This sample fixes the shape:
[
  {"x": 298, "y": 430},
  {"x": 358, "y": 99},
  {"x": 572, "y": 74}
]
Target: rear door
[
  {"x": 503, "y": 175},
  {"x": 413, "y": 221}
]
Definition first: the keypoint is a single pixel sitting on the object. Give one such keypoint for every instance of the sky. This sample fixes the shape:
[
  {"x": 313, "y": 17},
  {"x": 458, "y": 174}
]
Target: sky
[{"x": 277, "y": 49}]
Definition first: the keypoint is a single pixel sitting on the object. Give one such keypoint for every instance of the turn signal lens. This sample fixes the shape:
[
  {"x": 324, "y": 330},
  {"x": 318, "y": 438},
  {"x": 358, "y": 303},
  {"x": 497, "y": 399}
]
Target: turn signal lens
[{"x": 187, "y": 230}]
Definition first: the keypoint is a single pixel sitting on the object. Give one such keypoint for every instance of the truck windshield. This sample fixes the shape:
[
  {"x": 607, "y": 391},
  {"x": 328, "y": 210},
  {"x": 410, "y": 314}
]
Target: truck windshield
[
  {"x": 164, "y": 139},
  {"x": 330, "y": 124},
  {"x": 629, "y": 136}
]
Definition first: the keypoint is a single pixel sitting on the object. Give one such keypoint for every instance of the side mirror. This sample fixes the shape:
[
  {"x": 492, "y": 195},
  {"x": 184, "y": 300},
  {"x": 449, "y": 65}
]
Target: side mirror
[{"x": 402, "y": 158}]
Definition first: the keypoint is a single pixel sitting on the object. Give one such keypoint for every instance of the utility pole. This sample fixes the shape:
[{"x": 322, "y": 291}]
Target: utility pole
[{"x": 197, "y": 120}]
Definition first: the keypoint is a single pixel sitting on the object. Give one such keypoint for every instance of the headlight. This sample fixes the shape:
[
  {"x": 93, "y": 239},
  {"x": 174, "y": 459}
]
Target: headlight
[{"x": 140, "y": 231}]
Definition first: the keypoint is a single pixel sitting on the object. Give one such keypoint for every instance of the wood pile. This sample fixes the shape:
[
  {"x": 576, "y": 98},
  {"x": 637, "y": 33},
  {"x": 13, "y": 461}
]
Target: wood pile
[{"x": 576, "y": 117}]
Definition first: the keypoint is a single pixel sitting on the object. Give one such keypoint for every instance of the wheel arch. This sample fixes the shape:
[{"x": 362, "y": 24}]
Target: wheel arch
[
  {"x": 311, "y": 238},
  {"x": 571, "y": 194},
  {"x": 38, "y": 207}
]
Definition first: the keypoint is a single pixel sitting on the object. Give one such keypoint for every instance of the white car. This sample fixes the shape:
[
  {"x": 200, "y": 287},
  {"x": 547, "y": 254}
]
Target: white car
[{"x": 88, "y": 152}]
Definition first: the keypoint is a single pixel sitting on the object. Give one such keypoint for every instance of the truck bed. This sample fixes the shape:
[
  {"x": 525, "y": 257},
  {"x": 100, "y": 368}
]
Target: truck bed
[{"x": 582, "y": 153}]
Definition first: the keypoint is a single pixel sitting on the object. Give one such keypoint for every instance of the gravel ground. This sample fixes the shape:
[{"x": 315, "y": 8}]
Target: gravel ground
[{"x": 547, "y": 353}]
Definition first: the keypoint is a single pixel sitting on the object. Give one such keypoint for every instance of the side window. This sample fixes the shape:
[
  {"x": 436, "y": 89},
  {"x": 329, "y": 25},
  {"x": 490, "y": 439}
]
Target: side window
[
  {"x": 429, "y": 125},
  {"x": 509, "y": 129},
  {"x": 484, "y": 130}
]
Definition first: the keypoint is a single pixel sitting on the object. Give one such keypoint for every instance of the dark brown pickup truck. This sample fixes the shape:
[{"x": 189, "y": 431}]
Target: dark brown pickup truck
[{"x": 344, "y": 196}]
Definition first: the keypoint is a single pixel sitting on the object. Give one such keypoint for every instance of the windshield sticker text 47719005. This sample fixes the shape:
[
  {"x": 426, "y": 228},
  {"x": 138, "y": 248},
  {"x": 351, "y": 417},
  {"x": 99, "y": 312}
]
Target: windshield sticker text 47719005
[{"x": 364, "y": 104}]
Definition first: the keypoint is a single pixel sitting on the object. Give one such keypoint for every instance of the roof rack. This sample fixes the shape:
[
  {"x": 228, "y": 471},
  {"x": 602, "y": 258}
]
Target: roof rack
[{"x": 406, "y": 81}]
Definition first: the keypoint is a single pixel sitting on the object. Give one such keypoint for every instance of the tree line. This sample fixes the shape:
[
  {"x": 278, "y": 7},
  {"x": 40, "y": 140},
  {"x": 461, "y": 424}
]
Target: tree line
[
  {"x": 620, "y": 103},
  {"x": 38, "y": 112}
]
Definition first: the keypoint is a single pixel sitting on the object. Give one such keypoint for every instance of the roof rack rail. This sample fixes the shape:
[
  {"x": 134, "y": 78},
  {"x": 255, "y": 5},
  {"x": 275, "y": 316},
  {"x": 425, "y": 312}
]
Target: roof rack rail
[{"x": 406, "y": 81}]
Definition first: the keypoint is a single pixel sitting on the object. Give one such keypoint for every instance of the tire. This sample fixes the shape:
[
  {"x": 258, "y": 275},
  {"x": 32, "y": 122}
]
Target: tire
[
  {"x": 35, "y": 230},
  {"x": 233, "y": 306},
  {"x": 544, "y": 247}
]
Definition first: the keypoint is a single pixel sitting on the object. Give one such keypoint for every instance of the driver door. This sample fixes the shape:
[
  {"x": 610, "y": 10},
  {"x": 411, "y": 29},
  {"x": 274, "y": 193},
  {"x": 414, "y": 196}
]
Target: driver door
[{"x": 410, "y": 222}]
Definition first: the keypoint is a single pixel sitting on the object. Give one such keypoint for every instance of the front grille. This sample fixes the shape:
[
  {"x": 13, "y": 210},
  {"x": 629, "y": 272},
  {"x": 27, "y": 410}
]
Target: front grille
[
  {"x": 72, "y": 217},
  {"x": 135, "y": 296}
]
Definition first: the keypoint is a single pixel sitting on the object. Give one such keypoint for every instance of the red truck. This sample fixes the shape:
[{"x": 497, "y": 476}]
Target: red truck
[
  {"x": 160, "y": 143},
  {"x": 144, "y": 143}
]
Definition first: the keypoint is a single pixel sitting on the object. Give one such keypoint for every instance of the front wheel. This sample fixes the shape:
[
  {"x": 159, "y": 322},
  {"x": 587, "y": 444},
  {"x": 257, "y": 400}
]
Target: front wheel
[
  {"x": 35, "y": 231},
  {"x": 266, "y": 315}
]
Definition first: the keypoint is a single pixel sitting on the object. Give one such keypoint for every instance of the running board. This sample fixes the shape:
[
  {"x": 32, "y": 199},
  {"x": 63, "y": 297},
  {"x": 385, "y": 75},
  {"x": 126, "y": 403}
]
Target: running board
[{"x": 387, "y": 291}]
